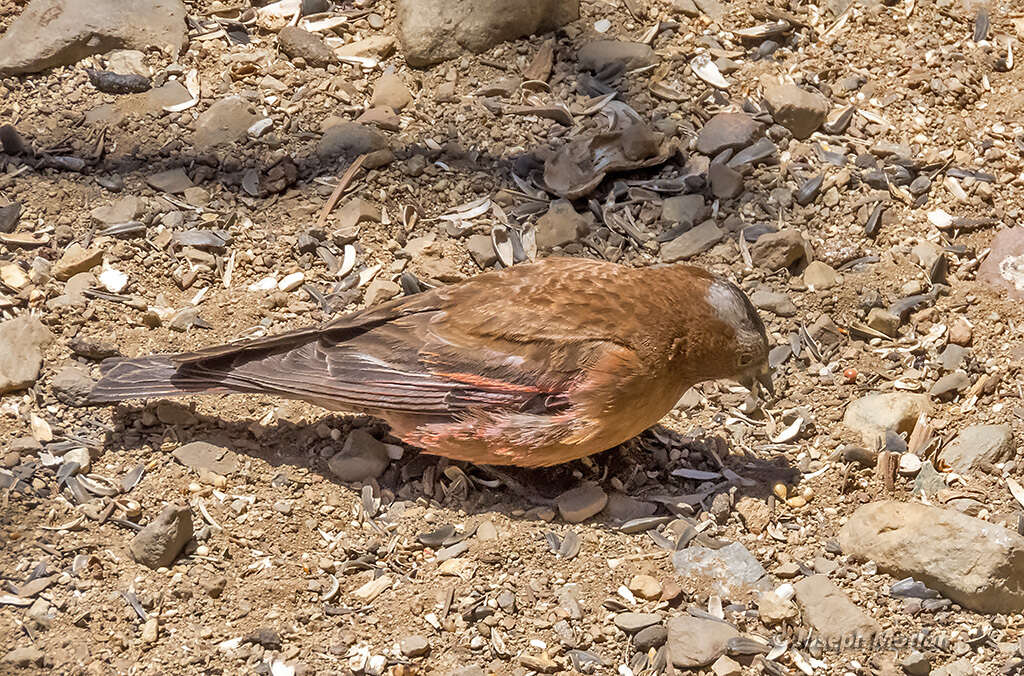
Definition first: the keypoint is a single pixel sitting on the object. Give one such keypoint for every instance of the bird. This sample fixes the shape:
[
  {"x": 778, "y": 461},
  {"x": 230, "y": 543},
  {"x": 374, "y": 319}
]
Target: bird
[{"x": 532, "y": 365}]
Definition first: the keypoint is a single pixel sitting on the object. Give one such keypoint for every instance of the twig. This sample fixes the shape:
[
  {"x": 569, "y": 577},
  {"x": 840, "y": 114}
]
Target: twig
[{"x": 339, "y": 189}]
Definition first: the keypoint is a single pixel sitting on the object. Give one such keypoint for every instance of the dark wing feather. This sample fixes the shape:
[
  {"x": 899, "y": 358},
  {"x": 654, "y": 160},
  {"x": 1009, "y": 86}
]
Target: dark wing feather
[
  {"x": 492, "y": 342},
  {"x": 338, "y": 330},
  {"x": 375, "y": 369},
  {"x": 501, "y": 340}
]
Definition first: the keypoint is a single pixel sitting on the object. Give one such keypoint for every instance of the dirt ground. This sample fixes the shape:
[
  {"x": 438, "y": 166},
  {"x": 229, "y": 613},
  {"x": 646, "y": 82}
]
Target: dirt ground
[{"x": 254, "y": 591}]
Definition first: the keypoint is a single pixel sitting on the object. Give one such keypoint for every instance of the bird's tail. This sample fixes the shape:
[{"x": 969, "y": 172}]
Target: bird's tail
[{"x": 146, "y": 377}]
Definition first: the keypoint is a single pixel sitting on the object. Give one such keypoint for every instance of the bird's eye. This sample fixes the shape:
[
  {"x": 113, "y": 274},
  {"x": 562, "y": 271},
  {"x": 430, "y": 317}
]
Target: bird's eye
[{"x": 746, "y": 359}]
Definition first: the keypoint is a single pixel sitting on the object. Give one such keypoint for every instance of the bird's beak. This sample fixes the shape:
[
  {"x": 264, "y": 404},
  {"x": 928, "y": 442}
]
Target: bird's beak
[{"x": 755, "y": 380}]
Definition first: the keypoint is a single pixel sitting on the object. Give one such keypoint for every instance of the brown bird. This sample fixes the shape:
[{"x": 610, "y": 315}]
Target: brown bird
[{"x": 533, "y": 365}]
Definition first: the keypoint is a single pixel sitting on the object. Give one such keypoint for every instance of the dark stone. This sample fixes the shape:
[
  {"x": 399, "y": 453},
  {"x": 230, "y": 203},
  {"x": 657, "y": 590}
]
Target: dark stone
[
  {"x": 726, "y": 182},
  {"x": 298, "y": 43},
  {"x": 650, "y": 637},
  {"x": 116, "y": 83},
  {"x": 11, "y": 141},
  {"x": 266, "y": 637},
  {"x": 727, "y": 131},
  {"x": 9, "y": 216}
]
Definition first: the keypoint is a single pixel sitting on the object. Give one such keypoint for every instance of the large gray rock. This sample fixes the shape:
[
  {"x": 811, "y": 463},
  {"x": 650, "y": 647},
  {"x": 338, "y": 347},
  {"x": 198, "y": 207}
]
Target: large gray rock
[
  {"x": 72, "y": 385},
  {"x": 831, "y": 612},
  {"x": 976, "y": 563},
  {"x": 160, "y": 542},
  {"x": 954, "y": 357},
  {"x": 731, "y": 571},
  {"x": 432, "y": 31},
  {"x": 696, "y": 642},
  {"x": 872, "y": 416},
  {"x": 174, "y": 181},
  {"x": 170, "y": 94},
  {"x": 978, "y": 447},
  {"x": 21, "y": 352},
  {"x": 53, "y": 33},
  {"x": 481, "y": 249},
  {"x": 950, "y": 385},
  {"x": 631, "y": 623}
]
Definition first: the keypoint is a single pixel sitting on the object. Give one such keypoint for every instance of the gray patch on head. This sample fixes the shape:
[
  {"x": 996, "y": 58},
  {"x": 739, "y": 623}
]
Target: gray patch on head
[{"x": 729, "y": 303}]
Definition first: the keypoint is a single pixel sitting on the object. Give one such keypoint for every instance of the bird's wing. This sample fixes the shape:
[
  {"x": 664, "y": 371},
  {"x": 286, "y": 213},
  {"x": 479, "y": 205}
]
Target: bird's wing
[
  {"x": 494, "y": 342},
  {"x": 384, "y": 361},
  {"x": 380, "y": 370}
]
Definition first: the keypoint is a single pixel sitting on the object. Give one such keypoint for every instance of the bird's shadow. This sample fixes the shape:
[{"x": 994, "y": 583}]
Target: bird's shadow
[{"x": 640, "y": 468}]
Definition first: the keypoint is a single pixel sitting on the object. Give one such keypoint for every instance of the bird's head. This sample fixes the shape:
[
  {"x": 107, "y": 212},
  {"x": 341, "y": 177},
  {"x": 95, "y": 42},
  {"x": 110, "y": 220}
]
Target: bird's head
[{"x": 746, "y": 353}]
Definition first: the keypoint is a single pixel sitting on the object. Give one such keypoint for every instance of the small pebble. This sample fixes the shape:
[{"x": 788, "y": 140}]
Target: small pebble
[
  {"x": 645, "y": 586},
  {"x": 414, "y": 646}
]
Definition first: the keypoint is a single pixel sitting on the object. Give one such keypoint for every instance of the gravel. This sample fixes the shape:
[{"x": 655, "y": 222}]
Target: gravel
[{"x": 861, "y": 186}]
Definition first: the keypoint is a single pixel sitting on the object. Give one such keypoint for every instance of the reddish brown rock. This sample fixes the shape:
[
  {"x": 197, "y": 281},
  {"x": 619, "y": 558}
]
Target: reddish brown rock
[{"x": 1004, "y": 267}]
